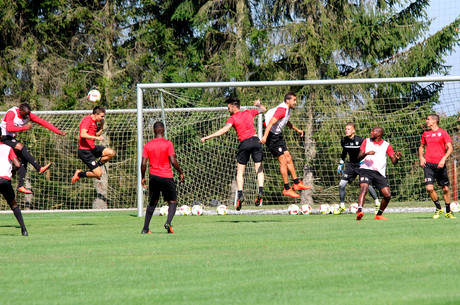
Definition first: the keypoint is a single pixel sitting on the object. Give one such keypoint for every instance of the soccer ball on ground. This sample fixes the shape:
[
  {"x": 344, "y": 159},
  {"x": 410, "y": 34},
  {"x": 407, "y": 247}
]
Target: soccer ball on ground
[
  {"x": 293, "y": 209},
  {"x": 222, "y": 209},
  {"x": 455, "y": 207},
  {"x": 94, "y": 96},
  {"x": 324, "y": 208},
  {"x": 353, "y": 208},
  {"x": 197, "y": 210},
  {"x": 164, "y": 210},
  {"x": 334, "y": 209},
  {"x": 305, "y": 209},
  {"x": 185, "y": 210}
]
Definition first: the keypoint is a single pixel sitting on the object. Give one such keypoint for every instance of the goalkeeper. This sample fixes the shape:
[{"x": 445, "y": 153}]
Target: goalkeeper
[
  {"x": 350, "y": 145},
  {"x": 243, "y": 122}
]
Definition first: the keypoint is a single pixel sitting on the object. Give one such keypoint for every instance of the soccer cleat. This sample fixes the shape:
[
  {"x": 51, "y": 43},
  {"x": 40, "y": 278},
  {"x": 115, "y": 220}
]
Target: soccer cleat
[
  {"x": 239, "y": 203},
  {"x": 290, "y": 192},
  {"x": 339, "y": 211},
  {"x": 359, "y": 215},
  {"x": 380, "y": 217},
  {"x": 146, "y": 232},
  {"x": 22, "y": 189},
  {"x": 24, "y": 233},
  {"x": 301, "y": 186},
  {"x": 168, "y": 228},
  {"x": 45, "y": 168},
  {"x": 258, "y": 201},
  {"x": 450, "y": 215},
  {"x": 75, "y": 176},
  {"x": 437, "y": 213}
]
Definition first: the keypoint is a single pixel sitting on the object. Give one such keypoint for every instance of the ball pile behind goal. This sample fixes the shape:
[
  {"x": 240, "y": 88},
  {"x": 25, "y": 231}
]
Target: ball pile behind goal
[
  {"x": 293, "y": 209},
  {"x": 164, "y": 210},
  {"x": 222, "y": 210}
]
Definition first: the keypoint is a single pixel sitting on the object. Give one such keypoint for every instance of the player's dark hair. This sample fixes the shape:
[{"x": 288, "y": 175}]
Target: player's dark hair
[
  {"x": 98, "y": 110},
  {"x": 435, "y": 117},
  {"x": 233, "y": 101},
  {"x": 351, "y": 124},
  {"x": 158, "y": 125},
  {"x": 25, "y": 107},
  {"x": 289, "y": 96}
]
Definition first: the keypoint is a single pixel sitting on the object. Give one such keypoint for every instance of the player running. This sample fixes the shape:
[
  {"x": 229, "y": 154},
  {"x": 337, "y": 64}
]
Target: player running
[
  {"x": 434, "y": 162},
  {"x": 18, "y": 119},
  {"x": 350, "y": 145},
  {"x": 160, "y": 154},
  {"x": 243, "y": 122},
  {"x": 373, "y": 169},
  {"x": 275, "y": 120},
  {"x": 91, "y": 128},
  {"x": 7, "y": 156}
]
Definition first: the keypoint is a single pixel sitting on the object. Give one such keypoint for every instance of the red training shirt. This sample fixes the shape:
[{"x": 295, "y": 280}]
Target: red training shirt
[
  {"x": 158, "y": 151},
  {"x": 435, "y": 144},
  {"x": 243, "y": 122},
  {"x": 90, "y": 125}
]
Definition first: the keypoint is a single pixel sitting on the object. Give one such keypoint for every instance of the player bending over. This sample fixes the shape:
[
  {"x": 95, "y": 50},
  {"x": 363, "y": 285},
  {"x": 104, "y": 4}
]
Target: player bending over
[
  {"x": 275, "y": 120},
  {"x": 91, "y": 128},
  {"x": 243, "y": 122},
  {"x": 7, "y": 156},
  {"x": 350, "y": 145},
  {"x": 160, "y": 154},
  {"x": 18, "y": 119},
  {"x": 433, "y": 162},
  {"x": 373, "y": 154}
]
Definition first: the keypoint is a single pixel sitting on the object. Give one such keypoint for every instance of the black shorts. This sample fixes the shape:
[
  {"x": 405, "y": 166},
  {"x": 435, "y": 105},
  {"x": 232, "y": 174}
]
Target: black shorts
[
  {"x": 10, "y": 141},
  {"x": 276, "y": 144},
  {"x": 373, "y": 177},
  {"x": 433, "y": 173},
  {"x": 165, "y": 186},
  {"x": 351, "y": 172},
  {"x": 7, "y": 190},
  {"x": 89, "y": 156},
  {"x": 249, "y": 147}
]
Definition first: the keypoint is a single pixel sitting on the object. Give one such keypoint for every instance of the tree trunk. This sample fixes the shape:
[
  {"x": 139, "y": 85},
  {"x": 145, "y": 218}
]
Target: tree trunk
[{"x": 310, "y": 153}]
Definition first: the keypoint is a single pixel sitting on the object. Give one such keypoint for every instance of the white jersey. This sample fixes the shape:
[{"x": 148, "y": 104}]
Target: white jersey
[
  {"x": 282, "y": 112},
  {"x": 378, "y": 161},
  {"x": 17, "y": 122},
  {"x": 6, "y": 154}
]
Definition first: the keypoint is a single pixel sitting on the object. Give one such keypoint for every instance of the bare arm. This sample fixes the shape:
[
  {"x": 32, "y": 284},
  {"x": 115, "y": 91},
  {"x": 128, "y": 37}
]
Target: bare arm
[
  {"x": 16, "y": 162},
  {"x": 395, "y": 157},
  {"x": 220, "y": 132},
  {"x": 449, "y": 151},
  {"x": 261, "y": 107},
  {"x": 421, "y": 151},
  {"x": 175, "y": 164},
  {"x": 84, "y": 135},
  {"x": 143, "y": 168},
  {"x": 289, "y": 124},
  {"x": 363, "y": 154},
  {"x": 272, "y": 122}
]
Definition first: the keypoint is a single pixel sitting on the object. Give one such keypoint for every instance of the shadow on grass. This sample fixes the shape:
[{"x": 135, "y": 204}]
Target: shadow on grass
[
  {"x": 10, "y": 226},
  {"x": 248, "y": 221},
  {"x": 85, "y": 224}
]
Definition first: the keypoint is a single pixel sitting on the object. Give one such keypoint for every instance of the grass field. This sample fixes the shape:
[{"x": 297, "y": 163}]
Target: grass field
[{"x": 101, "y": 258}]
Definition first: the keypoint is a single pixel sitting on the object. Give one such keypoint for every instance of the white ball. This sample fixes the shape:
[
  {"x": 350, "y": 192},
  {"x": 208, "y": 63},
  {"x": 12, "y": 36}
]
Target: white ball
[
  {"x": 197, "y": 210},
  {"x": 334, "y": 208},
  {"x": 324, "y": 208},
  {"x": 185, "y": 210},
  {"x": 305, "y": 209},
  {"x": 222, "y": 209},
  {"x": 164, "y": 210},
  {"x": 94, "y": 96},
  {"x": 455, "y": 207},
  {"x": 353, "y": 208},
  {"x": 293, "y": 209}
]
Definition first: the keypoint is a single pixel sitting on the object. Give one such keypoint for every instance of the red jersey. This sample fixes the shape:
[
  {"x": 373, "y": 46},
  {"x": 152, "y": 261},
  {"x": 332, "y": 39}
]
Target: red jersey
[
  {"x": 435, "y": 144},
  {"x": 158, "y": 151},
  {"x": 90, "y": 125},
  {"x": 243, "y": 122}
]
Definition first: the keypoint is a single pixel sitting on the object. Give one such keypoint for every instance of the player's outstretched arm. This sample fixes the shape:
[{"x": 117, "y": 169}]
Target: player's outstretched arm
[
  {"x": 175, "y": 164},
  {"x": 289, "y": 124},
  {"x": 218, "y": 133},
  {"x": 261, "y": 107},
  {"x": 46, "y": 124}
]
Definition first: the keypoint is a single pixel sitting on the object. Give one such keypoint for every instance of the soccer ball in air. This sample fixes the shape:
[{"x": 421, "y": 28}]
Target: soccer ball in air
[
  {"x": 185, "y": 210},
  {"x": 94, "y": 96},
  {"x": 293, "y": 209},
  {"x": 455, "y": 207},
  {"x": 324, "y": 208},
  {"x": 353, "y": 208},
  {"x": 164, "y": 210},
  {"x": 305, "y": 209},
  {"x": 222, "y": 209},
  {"x": 197, "y": 210}
]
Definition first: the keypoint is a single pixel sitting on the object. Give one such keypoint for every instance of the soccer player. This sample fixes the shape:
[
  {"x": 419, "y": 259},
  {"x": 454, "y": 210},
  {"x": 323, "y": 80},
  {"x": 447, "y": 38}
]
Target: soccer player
[
  {"x": 91, "y": 128},
  {"x": 7, "y": 156},
  {"x": 433, "y": 155},
  {"x": 373, "y": 153},
  {"x": 275, "y": 120},
  {"x": 351, "y": 144},
  {"x": 243, "y": 122},
  {"x": 160, "y": 154},
  {"x": 18, "y": 119}
]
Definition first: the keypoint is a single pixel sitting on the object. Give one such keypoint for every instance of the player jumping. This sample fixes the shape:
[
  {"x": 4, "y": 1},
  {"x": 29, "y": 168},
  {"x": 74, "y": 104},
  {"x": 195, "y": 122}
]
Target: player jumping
[
  {"x": 18, "y": 119},
  {"x": 373, "y": 153},
  {"x": 243, "y": 122},
  {"x": 275, "y": 120}
]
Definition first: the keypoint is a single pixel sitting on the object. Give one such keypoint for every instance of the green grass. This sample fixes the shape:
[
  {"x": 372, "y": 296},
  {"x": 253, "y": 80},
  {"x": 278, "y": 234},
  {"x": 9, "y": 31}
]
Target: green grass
[{"x": 101, "y": 258}]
